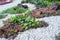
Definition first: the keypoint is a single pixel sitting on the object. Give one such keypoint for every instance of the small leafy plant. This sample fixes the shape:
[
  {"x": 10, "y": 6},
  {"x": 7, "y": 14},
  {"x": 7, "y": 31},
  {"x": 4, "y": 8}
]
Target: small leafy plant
[
  {"x": 14, "y": 10},
  {"x": 25, "y": 22}
]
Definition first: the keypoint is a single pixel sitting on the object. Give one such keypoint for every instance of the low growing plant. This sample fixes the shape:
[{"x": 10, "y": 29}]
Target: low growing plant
[
  {"x": 41, "y": 3},
  {"x": 38, "y": 3},
  {"x": 24, "y": 21},
  {"x": 14, "y": 10}
]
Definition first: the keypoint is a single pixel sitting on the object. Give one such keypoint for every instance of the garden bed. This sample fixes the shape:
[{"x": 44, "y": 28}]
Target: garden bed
[
  {"x": 26, "y": 19},
  {"x": 53, "y": 10},
  {"x": 19, "y": 24},
  {"x": 44, "y": 12}
]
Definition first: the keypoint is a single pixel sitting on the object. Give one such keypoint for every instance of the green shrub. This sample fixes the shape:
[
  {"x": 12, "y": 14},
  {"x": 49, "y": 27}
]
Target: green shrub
[{"x": 25, "y": 21}]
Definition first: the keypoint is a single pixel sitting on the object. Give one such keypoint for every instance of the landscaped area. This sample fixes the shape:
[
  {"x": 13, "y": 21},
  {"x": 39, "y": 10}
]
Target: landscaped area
[{"x": 20, "y": 22}]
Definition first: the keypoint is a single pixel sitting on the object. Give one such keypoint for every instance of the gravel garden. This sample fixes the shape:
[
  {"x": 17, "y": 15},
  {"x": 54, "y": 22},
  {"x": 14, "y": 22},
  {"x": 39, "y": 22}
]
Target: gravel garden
[{"x": 29, "y": 19}]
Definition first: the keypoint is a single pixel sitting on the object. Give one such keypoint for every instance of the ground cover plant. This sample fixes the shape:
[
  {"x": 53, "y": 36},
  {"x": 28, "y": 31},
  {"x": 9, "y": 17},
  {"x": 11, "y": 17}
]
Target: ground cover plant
[
  {"x": 19, "y": 23},
  {"x": 41, "y": 3},
  {"x": 53, "y": 10},
  {"x": 36, "y": 2},
  {"x": 38, "y": 12},
  {"x": 14, "y": 10},
  {"x": 44, "y": 12}
]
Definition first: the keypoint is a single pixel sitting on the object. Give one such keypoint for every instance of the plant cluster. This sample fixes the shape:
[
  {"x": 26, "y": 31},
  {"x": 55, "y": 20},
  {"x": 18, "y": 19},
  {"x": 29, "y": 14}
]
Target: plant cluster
[
  {"x": 19, "y": 23},
  {"x": 15, "y": 10},
  {"x": 25, "y": 22},
  {"x": 41, "y": 3},
  {"x": 38, "y": 3}
]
